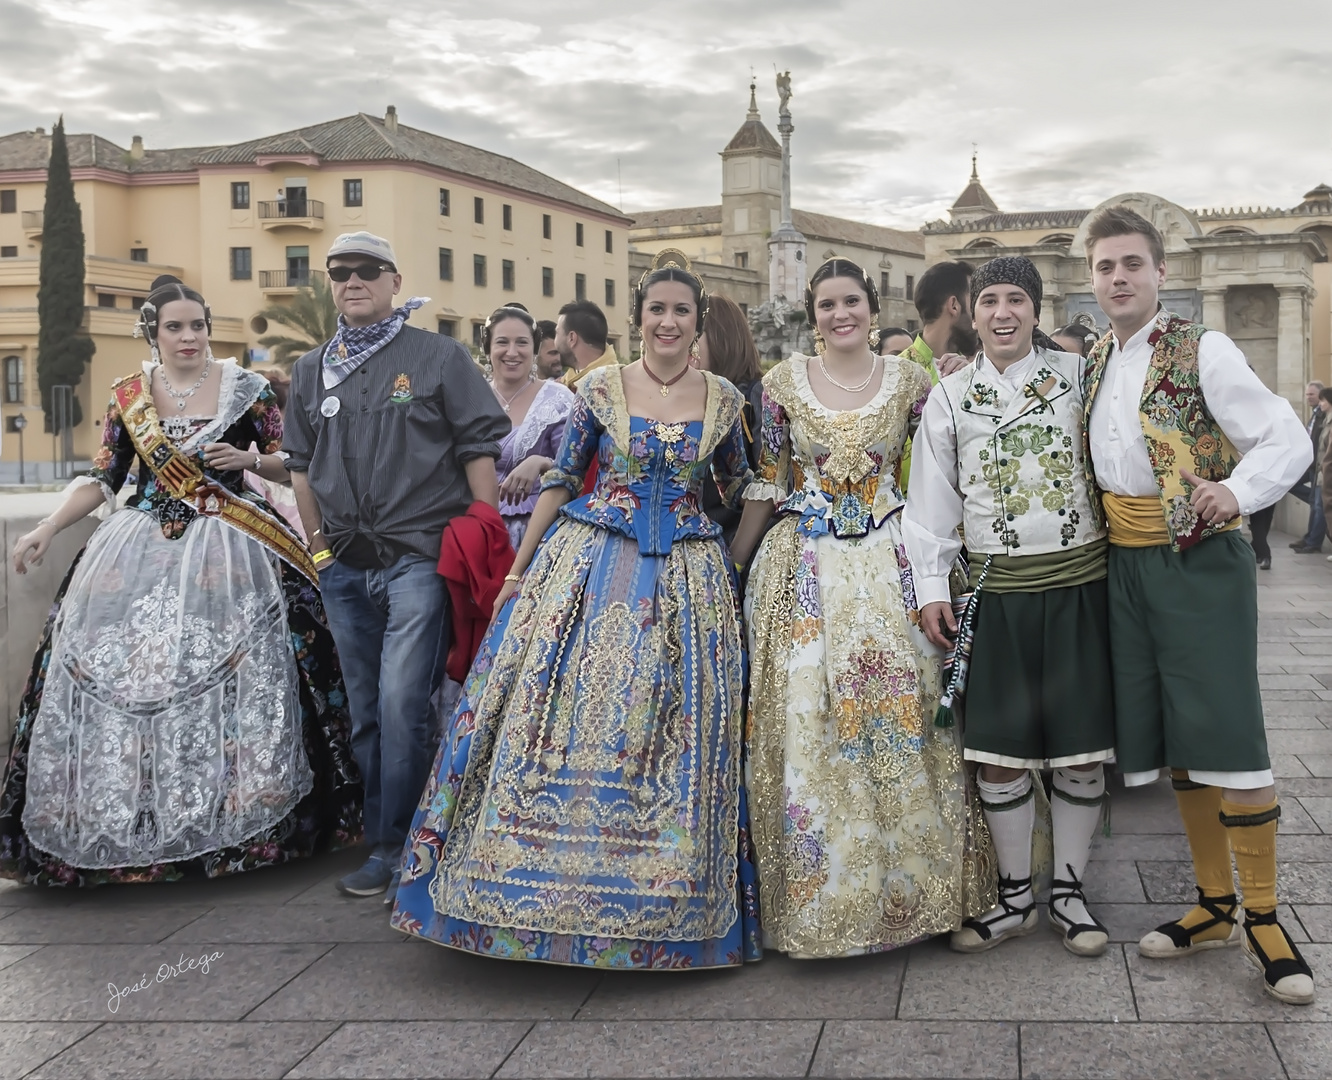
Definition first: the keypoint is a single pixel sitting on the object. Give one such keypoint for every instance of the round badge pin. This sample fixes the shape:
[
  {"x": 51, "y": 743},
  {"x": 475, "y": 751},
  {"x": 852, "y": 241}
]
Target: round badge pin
[{"x": 330, "y": 406}]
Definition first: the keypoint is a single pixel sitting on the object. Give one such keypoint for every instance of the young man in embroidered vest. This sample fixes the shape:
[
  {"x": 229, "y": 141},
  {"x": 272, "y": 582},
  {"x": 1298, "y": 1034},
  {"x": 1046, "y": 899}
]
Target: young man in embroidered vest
[
  {"x": 1183, "y": 439},
  {"x": 943, "y": 301},
  {"x": 999, "y": 452},
  {"x": 392, "y": 432}
]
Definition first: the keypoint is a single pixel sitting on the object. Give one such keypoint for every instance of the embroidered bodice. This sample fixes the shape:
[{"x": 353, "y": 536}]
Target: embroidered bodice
[
  {"x": 541, "y": 432},
  {"x": 649, "y": 473},
  {"x": 248, "y": 415},
  {"x": 836, "y": 470}
]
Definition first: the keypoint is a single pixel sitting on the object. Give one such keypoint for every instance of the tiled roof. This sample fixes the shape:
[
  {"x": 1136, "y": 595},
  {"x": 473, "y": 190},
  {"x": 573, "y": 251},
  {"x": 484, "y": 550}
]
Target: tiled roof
[
  {"x": 366, "y": 138},
  {"x": 32, "y": 150},
  {"x": 753, "y": 136},
  {"x": 857, "y": 232},
  {"x": 1022, "y": 219},
  {"x": 815, "y": 226},
  {"x": 684, "y": 215},
  {"x": 975, "y": 197}
]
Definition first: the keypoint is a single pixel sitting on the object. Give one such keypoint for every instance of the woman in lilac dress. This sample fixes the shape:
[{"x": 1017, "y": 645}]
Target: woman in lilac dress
[{"x": 538, "y": 411}]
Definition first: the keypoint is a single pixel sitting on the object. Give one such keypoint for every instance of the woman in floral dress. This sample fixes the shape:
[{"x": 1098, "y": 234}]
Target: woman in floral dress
[
  {"x": 185, "y": 710},
  {"x": 864, "y": 834},
  {"x": 586, "y": 806}
]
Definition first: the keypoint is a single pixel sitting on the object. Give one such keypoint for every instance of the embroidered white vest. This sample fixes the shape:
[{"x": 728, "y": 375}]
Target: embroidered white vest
[{"x": 1019, "y": 458}]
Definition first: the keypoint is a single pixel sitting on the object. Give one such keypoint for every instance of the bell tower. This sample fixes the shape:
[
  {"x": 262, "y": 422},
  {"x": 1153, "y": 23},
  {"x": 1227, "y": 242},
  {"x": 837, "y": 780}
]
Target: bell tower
[{"x": 751, "y": 191}]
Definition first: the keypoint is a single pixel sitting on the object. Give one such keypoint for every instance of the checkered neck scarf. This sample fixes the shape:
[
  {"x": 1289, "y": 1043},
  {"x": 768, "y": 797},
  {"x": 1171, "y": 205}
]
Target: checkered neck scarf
[{"x": 352, "y": 346}]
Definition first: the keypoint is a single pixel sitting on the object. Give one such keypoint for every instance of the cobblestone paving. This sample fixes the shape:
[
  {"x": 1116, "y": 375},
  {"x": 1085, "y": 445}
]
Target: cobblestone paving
[{"x": 306, "y": 983}]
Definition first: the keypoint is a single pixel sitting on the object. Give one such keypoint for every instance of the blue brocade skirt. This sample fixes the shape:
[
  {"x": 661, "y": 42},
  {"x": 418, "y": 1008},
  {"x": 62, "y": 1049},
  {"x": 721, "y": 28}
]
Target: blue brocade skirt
[{"x": 586, "y": 806}]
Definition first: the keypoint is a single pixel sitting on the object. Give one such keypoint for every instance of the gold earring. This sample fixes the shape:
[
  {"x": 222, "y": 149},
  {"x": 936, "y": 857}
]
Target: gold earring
[
  {"x": 819, "y": 345},
  {"x": 874, "y": 338}
]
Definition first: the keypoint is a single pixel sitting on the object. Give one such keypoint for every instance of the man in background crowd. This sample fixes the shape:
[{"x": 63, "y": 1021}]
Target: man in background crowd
[{"x": 581, "y": 336}]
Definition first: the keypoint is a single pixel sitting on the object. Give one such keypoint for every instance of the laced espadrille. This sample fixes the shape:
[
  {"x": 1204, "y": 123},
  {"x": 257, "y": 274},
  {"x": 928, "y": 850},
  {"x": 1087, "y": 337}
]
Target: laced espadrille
[
  {"x": 977, "y": 935},
  {"x": 1173, "y": 939}
]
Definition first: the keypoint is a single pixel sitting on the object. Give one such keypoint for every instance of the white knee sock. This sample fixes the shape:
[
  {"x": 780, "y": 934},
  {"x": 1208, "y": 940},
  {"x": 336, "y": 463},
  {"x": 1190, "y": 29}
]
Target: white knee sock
[
  {"x": 1010, "y": 812},
  {"x": 1075, "y": 811}
]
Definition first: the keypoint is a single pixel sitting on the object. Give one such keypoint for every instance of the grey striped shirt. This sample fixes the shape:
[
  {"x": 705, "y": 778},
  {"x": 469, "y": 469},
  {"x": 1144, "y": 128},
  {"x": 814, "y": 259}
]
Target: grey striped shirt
[{"x": 386, "y": 467}]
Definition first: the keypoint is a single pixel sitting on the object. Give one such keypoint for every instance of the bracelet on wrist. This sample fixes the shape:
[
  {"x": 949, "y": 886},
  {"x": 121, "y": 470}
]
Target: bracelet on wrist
[
  {"x": 513, "y": 577},
  {"x": 321, "y": 557}
]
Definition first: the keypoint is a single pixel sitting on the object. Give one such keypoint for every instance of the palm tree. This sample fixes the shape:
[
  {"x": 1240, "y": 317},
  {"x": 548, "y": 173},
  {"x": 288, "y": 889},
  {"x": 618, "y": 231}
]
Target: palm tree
[{"x": 311, "y": 313}]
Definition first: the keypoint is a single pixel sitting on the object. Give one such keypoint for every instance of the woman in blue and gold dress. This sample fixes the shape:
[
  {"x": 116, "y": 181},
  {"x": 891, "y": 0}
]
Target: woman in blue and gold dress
[{"x": 586, "y": 805}]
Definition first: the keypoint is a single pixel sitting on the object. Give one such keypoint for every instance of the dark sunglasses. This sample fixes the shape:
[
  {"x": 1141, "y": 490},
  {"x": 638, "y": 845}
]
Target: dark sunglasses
[{"x": 366, "y": 272}]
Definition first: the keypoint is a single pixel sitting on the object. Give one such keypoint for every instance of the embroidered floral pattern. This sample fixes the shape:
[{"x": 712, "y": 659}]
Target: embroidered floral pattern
[
  {"x": 1176, "y": 423},
  {"x": 865, "y": 836}
]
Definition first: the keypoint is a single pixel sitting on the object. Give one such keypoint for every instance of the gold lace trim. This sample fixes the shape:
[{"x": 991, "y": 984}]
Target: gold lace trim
[{"x": 913, "y": 818}]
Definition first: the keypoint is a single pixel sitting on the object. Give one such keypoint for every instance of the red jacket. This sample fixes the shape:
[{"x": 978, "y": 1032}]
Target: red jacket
[{"x": 473, "y": 559}]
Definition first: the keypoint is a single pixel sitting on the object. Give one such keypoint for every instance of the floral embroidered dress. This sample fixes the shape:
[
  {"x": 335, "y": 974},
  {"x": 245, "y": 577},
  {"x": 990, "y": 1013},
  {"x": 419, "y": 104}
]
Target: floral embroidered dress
[
  {"x": 541, "y": 432},
  {"x": 586, "y": 805},
  {"x": 864, "y": 833},
  {"x": 185, "y": 709}
]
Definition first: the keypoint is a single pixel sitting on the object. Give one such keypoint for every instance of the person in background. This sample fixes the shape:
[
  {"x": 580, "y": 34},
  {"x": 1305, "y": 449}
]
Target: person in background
[
  {"x": 581, "y": 337},
  {"x": 1323, "y": 455},
  {"x": 1075, "y": 338},
  {"x": 893, "y": 340},
  {"x": 948, "y": 338},
  {"x": 548, "y": 362},
  {"x": 537, "y": 410},
  {"x": 726, "y": 348},
  {"x": 392, "y": 432},
  {"x": 1310, "y": 487}
]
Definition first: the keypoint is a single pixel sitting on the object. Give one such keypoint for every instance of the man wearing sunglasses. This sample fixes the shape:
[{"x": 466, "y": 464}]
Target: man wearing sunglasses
[{"x": 392, "y": 432}]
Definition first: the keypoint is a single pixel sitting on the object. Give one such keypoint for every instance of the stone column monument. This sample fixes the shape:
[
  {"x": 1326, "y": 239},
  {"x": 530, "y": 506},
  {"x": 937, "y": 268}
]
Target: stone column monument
[{"x": 787, "y": 268}]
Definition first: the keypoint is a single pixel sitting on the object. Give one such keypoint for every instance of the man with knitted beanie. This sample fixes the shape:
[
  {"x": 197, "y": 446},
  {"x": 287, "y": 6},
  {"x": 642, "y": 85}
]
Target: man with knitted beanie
[
  {"x": 1183, "y": 438},
  {"x": 999, "y": 451}
]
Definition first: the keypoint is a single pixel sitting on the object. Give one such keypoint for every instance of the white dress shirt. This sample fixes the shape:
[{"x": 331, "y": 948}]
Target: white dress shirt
[{"x": 1274, "y": 447}]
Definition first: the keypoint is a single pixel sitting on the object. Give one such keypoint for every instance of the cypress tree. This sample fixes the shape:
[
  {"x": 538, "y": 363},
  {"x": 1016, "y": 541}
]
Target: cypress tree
[{"x": 63, "y": 350}]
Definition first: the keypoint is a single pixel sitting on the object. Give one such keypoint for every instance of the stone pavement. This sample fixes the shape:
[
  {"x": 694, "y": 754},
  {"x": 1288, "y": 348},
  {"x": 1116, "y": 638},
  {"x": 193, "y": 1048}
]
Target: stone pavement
[{"x": 305, "y": 983}]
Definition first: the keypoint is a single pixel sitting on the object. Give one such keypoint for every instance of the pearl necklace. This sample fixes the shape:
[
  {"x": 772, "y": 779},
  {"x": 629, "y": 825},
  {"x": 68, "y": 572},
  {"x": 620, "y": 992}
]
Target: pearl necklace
[
  {"x": 874, "y": 366},
  {"x": 181, "y": 395},
  {"x": 505, "y": 404}
]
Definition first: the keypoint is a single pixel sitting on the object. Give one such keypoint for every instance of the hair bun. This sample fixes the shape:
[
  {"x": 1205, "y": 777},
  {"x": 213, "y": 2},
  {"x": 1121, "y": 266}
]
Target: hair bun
[{"x": 164, "y": 279}]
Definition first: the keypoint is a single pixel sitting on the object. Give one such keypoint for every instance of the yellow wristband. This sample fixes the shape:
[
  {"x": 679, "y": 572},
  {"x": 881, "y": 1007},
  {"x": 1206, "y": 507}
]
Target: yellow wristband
[{"x": 321, "y": 557}]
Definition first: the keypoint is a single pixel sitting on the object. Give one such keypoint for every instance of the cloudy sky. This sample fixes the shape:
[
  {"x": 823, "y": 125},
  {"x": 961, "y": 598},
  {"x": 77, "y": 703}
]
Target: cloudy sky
[{"x": 1207, "y": 102}]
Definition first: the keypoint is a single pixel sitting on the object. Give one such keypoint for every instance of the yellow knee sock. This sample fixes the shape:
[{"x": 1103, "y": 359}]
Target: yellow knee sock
[
  {"x": 1253, "y": 832},
  {"x": 1209, "y": 844}
]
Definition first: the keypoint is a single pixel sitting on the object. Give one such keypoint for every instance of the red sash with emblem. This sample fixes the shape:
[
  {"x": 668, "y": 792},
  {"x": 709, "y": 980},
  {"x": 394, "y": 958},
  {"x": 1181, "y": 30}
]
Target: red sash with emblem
[{"x": 184, "y": 480}]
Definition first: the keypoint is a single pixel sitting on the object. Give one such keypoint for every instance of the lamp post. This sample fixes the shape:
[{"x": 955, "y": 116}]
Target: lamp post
[{"x": 20, "y": 422}]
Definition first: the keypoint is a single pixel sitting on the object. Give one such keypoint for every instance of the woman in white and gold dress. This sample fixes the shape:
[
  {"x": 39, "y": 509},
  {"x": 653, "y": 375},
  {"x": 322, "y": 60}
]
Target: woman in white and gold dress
[{"x": 866, "y": 839}]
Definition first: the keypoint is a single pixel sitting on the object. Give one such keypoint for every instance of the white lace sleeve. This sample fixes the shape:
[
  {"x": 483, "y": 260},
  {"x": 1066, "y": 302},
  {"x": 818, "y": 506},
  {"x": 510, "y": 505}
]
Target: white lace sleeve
[{"x": 108, "y": 507}]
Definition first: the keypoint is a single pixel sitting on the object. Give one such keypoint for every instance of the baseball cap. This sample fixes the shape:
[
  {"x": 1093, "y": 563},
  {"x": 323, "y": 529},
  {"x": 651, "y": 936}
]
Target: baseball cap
[{"x": 364, "y": 243}]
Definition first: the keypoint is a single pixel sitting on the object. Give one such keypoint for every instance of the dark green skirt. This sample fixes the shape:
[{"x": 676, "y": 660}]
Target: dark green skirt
[
  {"x": 1184, "y": 640},
  {"x": 1039, "y": 692}
]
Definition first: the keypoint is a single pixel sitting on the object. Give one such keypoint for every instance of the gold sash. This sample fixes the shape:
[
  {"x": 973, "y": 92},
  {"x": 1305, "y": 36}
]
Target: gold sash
[
  {"x": 184, "y": 480},
  {"x": 1136, "y": 521}
]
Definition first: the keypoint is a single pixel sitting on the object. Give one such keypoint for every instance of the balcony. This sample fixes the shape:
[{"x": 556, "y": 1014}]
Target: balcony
[
  {"x": 32, "y": 223},
  {"x": 286, "y": 282},
  {"x": 292, "y": 214}
]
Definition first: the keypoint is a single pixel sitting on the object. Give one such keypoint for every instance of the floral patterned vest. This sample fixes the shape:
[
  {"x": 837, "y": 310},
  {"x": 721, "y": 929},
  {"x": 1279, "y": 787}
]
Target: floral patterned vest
[
  {"x": 1177, "y": 426},
  {"x": 1019, "y": 459}
]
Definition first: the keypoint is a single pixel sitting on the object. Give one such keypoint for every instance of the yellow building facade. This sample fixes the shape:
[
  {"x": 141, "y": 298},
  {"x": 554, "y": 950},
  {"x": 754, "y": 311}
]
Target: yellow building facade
[{"x": 248, "y": 224}]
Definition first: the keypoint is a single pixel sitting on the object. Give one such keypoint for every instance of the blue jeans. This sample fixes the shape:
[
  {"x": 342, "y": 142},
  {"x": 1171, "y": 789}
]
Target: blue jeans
[
  {"x": 392, "y": 632},
  {"x": 1317, "y": 522}
]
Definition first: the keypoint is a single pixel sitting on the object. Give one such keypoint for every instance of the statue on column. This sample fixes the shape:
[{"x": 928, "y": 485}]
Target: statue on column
[{"x": 784, "y": 89}]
